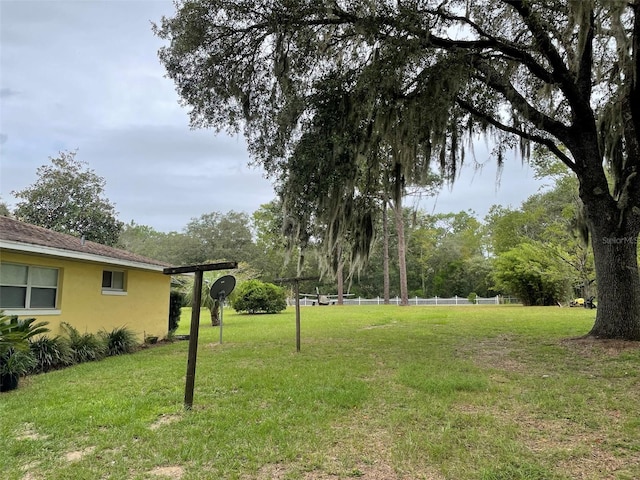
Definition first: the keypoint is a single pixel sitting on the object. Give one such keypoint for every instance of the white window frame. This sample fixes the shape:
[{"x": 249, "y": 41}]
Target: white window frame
[
  {"x": 29, "y": 285},
  {"x": 110, "y": 290}
]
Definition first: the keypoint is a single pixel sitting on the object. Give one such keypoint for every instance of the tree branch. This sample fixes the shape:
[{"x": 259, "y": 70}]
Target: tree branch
[
  {"x": 585, "y": 65},
  {"x": 560, "y": 72},
  {"x": 500, "y": 84},
  {"x": 547, "y": 142}
]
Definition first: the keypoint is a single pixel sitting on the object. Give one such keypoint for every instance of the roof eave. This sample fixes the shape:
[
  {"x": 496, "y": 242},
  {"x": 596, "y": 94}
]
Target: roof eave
[{"x": 74, "y": 255}]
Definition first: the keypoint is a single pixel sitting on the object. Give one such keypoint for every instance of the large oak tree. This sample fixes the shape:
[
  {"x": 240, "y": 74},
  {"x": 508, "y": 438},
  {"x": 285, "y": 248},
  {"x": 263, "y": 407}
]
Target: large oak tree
[{"x": 423, "y": 78}]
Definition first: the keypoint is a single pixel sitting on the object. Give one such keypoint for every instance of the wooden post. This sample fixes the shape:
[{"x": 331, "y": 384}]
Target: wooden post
[
  {"x": 193, "y": 341},
  {"x": 195, "y": 319},
  {"x": 296, "y": 290}
]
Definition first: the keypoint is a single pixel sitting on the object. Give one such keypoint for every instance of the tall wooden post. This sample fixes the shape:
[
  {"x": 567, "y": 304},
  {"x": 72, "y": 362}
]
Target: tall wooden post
[
  {"x": 195, "y": 319},
  {"x": 193, "y": 340}
]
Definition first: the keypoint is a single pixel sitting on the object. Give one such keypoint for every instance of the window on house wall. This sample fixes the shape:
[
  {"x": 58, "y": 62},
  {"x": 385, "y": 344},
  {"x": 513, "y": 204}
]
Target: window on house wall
[
  {"x": 113, "y": 281},
  {"x": 27, "y": 286}
]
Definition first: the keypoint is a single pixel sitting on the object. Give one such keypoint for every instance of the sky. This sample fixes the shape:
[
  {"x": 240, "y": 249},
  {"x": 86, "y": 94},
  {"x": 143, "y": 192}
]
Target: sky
[{"x": 84, "y": 75}]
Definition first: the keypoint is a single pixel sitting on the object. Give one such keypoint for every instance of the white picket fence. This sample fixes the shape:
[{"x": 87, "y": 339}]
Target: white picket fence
[{"x": 497, "y": 300}]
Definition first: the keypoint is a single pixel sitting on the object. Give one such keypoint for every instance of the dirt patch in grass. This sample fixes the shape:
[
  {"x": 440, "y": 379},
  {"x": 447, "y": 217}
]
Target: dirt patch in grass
[
  {"x": 29, "y": 433},
  {"x": 376, "y": 471},
  {"x": 77, "y": 455},
  {"x": 30, "y": 476},
  {"x": 353, "y": 455},
  {"x": 592, "y": 346},
  {"x": 164, "y": 420},
  {"x": 503, "y": 353},
  {"x": 582, "y": 453},
  {"x": 174, "y": 472},
  {"x": 597, "y": 464},
  {"x": 498, "y": 353}
]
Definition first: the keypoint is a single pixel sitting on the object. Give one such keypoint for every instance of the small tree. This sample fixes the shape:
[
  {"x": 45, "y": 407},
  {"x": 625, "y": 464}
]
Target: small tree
[
  {"x": 68, "y": 197},
  {"x": 255, "y": 296},
  {"x": 534, "y": 274}
]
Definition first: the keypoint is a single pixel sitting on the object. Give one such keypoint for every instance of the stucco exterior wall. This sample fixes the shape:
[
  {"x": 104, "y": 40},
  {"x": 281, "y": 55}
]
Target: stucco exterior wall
[{"x": 144, "y": 308}]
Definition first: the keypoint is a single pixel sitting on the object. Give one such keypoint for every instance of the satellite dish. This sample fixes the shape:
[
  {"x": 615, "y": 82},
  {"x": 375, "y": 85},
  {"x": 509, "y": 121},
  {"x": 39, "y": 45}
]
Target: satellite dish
[{"x": 222, "y": 287}]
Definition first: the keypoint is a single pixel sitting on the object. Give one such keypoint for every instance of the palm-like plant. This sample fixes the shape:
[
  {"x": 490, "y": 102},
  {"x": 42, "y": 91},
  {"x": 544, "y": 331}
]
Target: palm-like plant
[
  {"x": 15, "y": 356},
  {"x": 15, "y": 333}
]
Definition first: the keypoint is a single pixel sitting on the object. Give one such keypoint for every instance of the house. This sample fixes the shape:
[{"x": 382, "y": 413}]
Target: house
[{"x": 60, "y": 278}]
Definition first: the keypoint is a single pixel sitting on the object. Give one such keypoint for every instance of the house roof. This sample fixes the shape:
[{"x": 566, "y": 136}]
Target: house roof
[{"x": 24, "y": 237}]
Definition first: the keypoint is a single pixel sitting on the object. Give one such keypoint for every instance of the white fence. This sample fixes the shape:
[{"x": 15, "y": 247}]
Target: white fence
[{"x": 414, "y": 301}]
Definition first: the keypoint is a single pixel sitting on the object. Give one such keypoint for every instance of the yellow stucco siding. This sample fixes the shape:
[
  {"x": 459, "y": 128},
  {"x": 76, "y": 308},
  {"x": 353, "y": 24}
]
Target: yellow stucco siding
[{"x": 83, "y": 303}]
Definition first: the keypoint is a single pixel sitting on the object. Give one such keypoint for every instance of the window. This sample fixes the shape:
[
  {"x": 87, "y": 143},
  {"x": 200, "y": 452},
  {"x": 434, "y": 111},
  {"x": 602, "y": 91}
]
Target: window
[
  {"x": 25, "y": 286},
  {"x": 113, "y": 281}
]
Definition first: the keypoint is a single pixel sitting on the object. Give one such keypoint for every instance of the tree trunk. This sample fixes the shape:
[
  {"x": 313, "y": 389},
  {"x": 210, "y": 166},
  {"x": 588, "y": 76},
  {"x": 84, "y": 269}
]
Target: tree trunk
[
  {"x": 385, "y": 252},
  {"x": 402, "y": 254},
  {"x": 614, "y": 239},
  {"x": 215, "y": 314},
  {"x": 340, "y": 279},
  {"x": 614, "y": 228},
  {"x": 616, "y": 262}
]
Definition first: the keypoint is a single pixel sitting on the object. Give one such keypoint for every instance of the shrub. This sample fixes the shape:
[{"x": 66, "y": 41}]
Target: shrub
[
  {"x": 17, "y": 362},
  {"x": 119, "y": 340},
  {"x": 254, "y": 296},
  {"x": 50, "y": 353},
  {"x": 176, "y": 300},
  {"x": 534, "y": 273},
  {"x": 85, "y": 347}
]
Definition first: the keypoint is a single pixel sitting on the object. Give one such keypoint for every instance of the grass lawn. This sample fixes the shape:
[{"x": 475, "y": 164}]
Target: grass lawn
[{"x": 381, "y": 392}]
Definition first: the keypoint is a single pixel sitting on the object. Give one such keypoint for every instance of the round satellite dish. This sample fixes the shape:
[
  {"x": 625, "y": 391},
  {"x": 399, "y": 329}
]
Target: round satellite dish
[{"x": 222, "y": 287}]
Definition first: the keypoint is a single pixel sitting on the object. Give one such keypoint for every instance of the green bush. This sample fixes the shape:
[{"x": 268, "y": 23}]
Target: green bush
[
  {"x": 119, "y": 341},
  {"x": 533, "y": 272},
  {"x": 85, "y": 347},
  {"x": 17, "y": 362},
  {"x": 176, "y": 300},
  {"x": 254, "y": 296},
  {"x": 50, "y": 353}
]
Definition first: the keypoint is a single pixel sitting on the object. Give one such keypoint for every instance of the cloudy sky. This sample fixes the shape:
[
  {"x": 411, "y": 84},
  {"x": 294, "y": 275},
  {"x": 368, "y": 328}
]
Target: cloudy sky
[{"x": 85, "y": 75}]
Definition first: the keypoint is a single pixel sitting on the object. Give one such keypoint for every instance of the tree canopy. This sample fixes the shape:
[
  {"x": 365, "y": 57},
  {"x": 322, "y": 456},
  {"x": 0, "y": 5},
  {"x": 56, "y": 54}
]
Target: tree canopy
[
  {"x": 68, "y": 197},
  {"x": 421, "y": 79}
]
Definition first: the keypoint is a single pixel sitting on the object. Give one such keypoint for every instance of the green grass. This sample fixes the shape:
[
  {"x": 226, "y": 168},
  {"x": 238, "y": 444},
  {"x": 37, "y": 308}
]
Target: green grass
[{"x": 384, "y": 392}]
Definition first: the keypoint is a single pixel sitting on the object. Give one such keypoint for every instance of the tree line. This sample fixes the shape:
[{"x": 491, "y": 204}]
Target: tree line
[{"x": 536, "y": 252}]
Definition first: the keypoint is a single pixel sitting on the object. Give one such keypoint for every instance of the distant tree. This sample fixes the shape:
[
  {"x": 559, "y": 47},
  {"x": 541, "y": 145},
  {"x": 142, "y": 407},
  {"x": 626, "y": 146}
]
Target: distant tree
[
  {"x": 69, "y": 198},
  {"x": 4, "y": 209},
  {"x": 447, "y": 251},
  {"x": 226, "y": 237},
  {"x": 173, "y": 247},
  {"x": 271, "y": 256}
]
